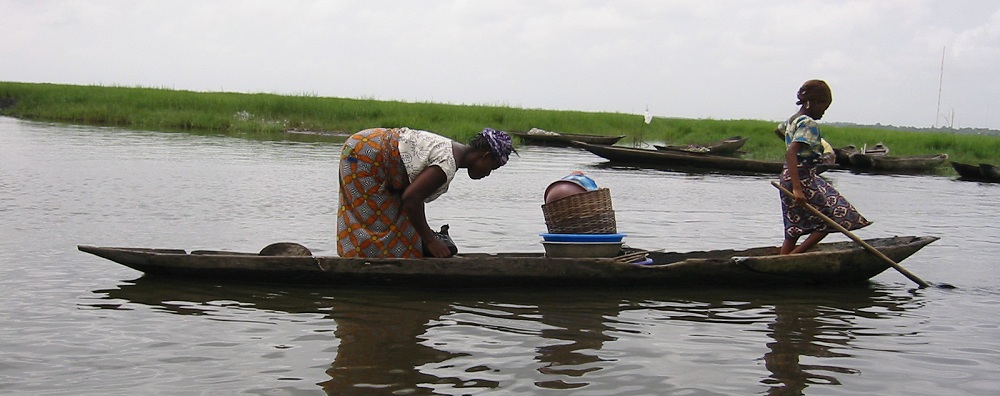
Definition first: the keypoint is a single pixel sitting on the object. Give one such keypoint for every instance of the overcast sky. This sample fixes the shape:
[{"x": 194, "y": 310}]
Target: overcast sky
[{"x": 690, "y": 59}]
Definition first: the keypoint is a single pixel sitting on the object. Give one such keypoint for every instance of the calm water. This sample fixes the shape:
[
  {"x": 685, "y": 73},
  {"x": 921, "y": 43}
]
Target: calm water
[{"x": 77, "y": 324}]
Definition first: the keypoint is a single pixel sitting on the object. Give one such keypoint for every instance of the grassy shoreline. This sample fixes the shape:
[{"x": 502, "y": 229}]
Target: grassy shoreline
[{"x": 268, "y": 116}]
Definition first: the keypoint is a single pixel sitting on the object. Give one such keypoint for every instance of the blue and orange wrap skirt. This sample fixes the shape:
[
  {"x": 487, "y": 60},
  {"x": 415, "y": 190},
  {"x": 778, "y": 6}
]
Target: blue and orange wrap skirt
[{"x": 821, "y": 195}]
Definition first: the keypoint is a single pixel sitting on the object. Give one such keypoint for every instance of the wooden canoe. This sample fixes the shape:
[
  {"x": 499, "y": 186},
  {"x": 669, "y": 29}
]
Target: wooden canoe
[
  {"x": 564, "y": 139},
  {"x": 843, "y": 154},
  {"x": 981, "y": 173},
  {"x": 679, "y": 161},
  {"x": 828, "y": 263},
  {"x": 727, "y": 146},
  {"x": 990, "y": 171},
  {"x": 897, "y": 164}
]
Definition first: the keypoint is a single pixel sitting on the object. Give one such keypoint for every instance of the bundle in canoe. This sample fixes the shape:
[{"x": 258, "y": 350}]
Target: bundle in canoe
[
  {"x": 682, "y": 162},
  {"x": 981, "y": 173},
  {"x": 548, "y": 138},
  {"x": 828, "y": 263},
  {"x": 727, "y": 146}
]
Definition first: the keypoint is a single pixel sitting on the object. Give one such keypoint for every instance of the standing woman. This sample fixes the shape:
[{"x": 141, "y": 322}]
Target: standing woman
[
  {"x": 805, "y": 150},
  {"x": 386, "y": 176}
]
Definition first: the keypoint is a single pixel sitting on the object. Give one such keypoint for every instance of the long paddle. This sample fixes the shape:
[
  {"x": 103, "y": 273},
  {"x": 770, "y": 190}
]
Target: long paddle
[{"x": 861, "y": 242}]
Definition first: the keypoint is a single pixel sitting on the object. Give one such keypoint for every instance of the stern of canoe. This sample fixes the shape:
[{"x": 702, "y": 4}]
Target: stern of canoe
[{"x": 847, "y": 266}]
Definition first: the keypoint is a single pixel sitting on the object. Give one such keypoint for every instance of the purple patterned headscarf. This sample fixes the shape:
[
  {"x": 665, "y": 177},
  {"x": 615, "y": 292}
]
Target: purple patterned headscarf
[{"x": 500, "y": 144}]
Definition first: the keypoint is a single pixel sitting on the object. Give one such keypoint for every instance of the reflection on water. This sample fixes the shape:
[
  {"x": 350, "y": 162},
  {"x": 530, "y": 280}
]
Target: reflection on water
[{"x": 467, "y": 341}]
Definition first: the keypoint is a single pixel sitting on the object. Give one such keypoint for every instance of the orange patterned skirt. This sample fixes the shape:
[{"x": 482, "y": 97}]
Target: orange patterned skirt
[{"x": 370, "y": 219}]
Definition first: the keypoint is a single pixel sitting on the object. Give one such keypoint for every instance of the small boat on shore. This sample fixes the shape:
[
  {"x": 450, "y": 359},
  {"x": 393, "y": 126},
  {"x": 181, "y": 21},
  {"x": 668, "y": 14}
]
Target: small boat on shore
[
  {"x": 981, "y": 173},
  {"x": 727, "y": 146},
  {"x": 547, "y": 138},
  {"x": 680, "y": 161},
  {"x": 828, "y": 263}
]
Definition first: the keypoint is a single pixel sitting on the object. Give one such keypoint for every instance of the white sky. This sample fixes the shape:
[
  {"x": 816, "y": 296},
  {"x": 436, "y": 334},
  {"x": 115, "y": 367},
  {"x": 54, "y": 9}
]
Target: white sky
[{"x": 691, "y": 59}]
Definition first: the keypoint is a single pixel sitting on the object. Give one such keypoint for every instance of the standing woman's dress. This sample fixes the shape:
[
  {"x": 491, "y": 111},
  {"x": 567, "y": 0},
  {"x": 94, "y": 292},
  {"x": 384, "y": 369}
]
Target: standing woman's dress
[
  {"x": 376, "y": 166},
  {"x": 820, "y": 194}
]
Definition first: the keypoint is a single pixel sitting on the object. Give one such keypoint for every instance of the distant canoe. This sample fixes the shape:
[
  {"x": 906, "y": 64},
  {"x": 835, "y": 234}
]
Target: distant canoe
[
  {"x": 980, "y": 173},
  {"x": 827, "y": 263},
  {"x": 878, "y": 149},
  {"x": 727, "y": 146},
  {"x": 560, "y": 139},
  {"x": 896, "y": 164},
  {"x": 679, "y": 161},
  {"x": 843, "y": 154}
]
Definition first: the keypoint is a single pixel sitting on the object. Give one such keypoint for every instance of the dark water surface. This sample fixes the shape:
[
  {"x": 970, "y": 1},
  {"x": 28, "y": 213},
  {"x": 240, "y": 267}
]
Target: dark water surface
[{"x": 77, "y": 324}]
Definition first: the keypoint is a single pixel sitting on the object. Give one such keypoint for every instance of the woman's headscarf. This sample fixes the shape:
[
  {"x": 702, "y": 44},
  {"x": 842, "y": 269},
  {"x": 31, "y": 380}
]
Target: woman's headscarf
[
  {"x": 813, "y": 90},
  {"x": 500, "y": 144}
]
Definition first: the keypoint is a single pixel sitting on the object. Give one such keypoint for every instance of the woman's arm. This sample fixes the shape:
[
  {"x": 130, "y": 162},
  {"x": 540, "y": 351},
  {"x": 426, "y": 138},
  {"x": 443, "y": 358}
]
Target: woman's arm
[
  {"x": 425, "y": 184},
  {"x": 792, "y": 161}
]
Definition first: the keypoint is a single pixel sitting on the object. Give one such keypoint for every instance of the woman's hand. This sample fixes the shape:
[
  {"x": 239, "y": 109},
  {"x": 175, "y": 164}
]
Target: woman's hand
[
  {"x": 437, "y": 248},
  {"x": 798, "y": 196}
]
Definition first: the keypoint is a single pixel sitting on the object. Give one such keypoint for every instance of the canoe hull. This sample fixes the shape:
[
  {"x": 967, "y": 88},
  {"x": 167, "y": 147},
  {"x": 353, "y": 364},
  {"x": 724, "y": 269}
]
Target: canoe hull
[
  {"x": 728, "y": 146},
  {"x": 980, "y": 173},
  {"x": 897, "y": 164},
  {"x": 832, "y": 263},
  {"x": 565, "y": 139},
  {"x": 679, "y": 161}
]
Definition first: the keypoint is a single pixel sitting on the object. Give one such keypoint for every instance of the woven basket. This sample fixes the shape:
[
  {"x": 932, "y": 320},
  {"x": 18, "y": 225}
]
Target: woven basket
[{"x": 585, "y": 213}]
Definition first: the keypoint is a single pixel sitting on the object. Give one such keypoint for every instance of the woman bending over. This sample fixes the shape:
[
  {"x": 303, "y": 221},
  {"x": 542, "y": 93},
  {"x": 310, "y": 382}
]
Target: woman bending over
[{"x": 388, "y": 174}]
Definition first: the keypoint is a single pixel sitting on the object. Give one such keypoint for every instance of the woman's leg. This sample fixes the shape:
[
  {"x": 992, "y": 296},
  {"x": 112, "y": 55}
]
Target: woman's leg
[
  {"x": 787, "y": 246},
  {"x": 810, "y": 241}
]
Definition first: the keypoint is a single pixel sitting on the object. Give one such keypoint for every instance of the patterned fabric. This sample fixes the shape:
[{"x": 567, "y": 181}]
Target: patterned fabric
[
  {"x": 370, "y": 220},
  {"x": 580, "y": 179},
  {"x": 421, "y": 149},
  {"x": 804, "y": 129},
  {"x": 500, "y": 144},
  {"x": 821, "y": 195}
]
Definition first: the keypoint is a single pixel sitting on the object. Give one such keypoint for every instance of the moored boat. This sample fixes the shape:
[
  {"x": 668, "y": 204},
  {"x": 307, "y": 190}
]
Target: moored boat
[
  {"x": 990, "y": 172},
  {"x": 896, "y": 164},
  {"x": 981, "y": 173},
  {"x": 843, "y": 154},
  {"x": 547, "y": 138},
  {"x": 727, "y": 146},
  {"x": 877, "y": 149},
  {"x": 828, "y": 263},
  {"x": 679, "y": 161}
]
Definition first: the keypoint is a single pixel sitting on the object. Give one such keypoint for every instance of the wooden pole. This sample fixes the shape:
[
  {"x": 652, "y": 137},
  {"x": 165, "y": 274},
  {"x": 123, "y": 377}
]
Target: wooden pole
[{"x": 855, "y": 238}]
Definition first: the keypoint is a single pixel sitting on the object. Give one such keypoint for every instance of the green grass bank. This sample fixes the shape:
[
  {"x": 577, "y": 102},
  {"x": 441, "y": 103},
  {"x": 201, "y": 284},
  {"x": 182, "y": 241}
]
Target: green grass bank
[{"x": 269, "y": 116}]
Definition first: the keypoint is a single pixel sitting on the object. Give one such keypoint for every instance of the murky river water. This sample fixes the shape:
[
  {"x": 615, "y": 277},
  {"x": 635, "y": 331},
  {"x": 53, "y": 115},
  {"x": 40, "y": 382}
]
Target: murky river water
[{"x": 77, "y": 324}]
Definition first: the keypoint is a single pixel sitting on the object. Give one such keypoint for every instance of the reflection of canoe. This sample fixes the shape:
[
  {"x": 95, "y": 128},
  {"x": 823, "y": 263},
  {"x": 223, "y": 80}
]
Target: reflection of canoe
[
  {"x": 829, "y": 263},
  {"x": 564, "y": 139},
  {"x": 897, "y": 164},
  {"x": 727, "y": 146},
  {"x": 982, "y": 172},
  {"x": 679, "y": 161}
]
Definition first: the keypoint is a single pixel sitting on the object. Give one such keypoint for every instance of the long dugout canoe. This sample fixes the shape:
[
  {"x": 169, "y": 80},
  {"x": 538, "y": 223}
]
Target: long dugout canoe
[{"x": 828, "y": 263}]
